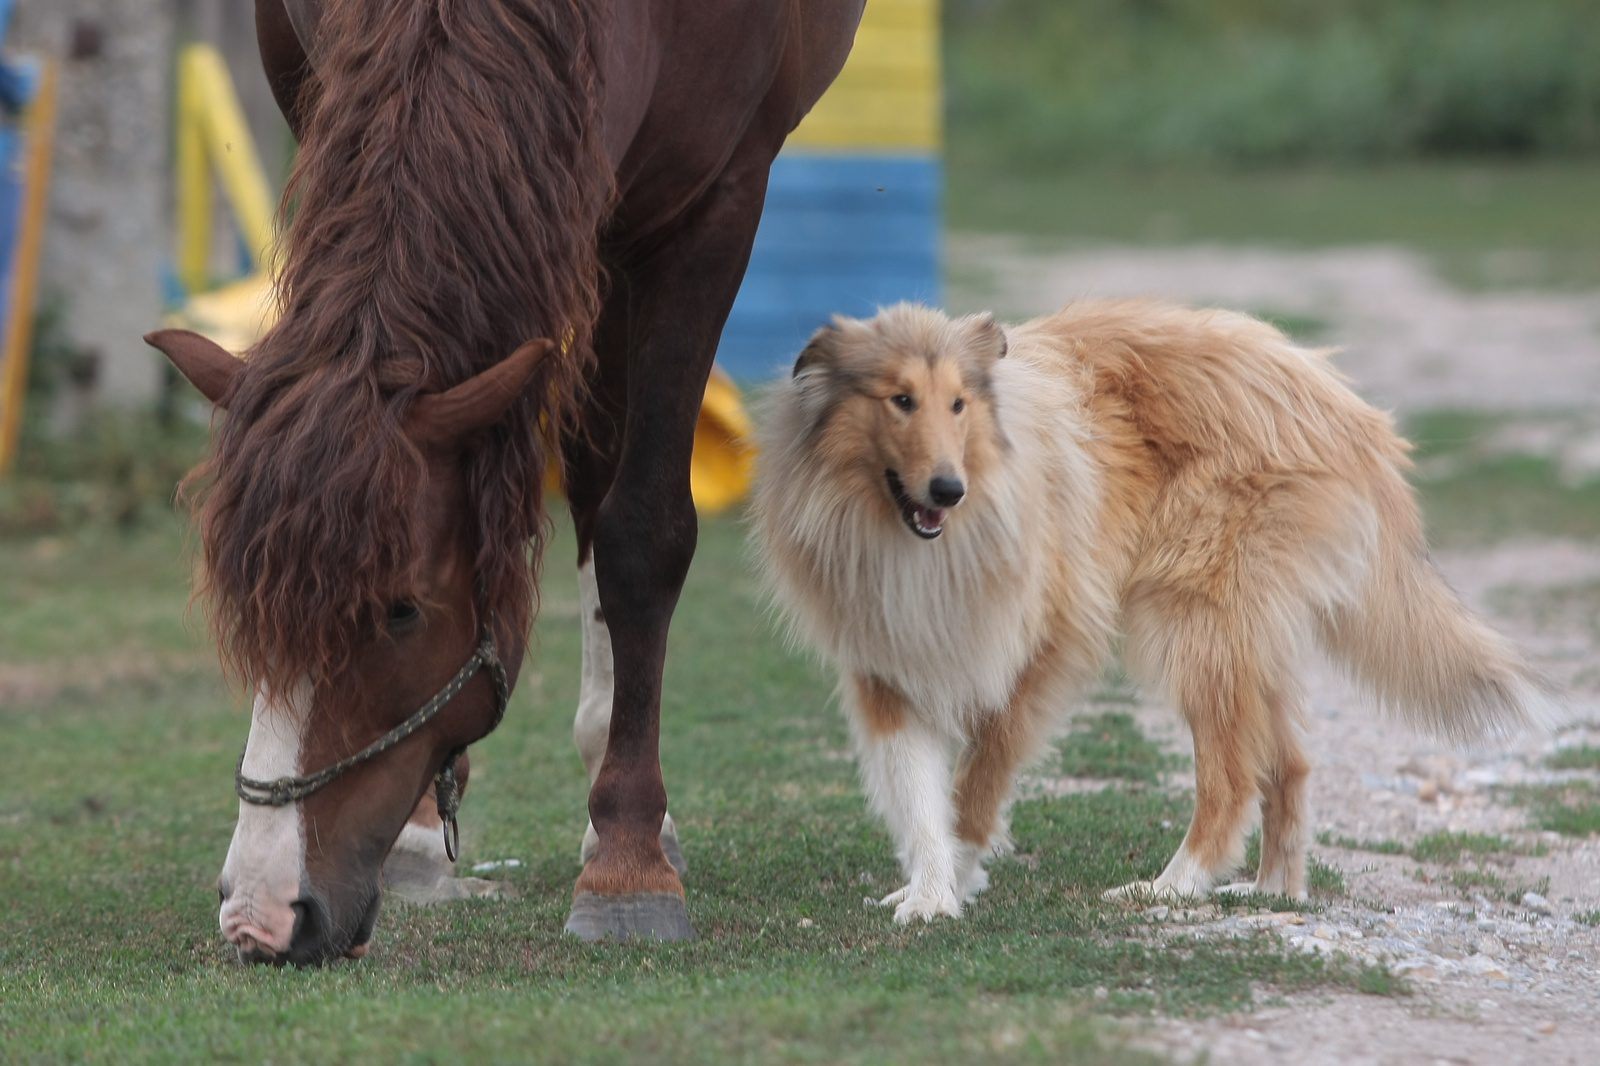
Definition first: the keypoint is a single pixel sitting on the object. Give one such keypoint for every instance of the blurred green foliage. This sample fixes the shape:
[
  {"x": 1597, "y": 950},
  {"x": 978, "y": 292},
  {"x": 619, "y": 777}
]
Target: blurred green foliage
[
  {"x": 80, "y": 465},
  {"x": 117, "y": 469},
  {"x": 1049, "y": 82}
]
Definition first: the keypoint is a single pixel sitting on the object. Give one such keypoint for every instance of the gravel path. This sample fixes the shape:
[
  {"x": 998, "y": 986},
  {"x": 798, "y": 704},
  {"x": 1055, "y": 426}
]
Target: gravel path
[
  {"x": 1495, "y": 980},
  {"x": 1409, "y": 340},
  {"x": 1500, "y": 973}
]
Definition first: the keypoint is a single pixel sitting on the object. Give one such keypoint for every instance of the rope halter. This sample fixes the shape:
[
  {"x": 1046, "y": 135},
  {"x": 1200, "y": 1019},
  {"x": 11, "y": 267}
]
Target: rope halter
[{"x": 282, "y": 791}]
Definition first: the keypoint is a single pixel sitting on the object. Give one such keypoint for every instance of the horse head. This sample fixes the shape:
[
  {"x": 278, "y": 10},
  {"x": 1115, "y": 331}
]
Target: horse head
[{"x": 345, "y": 649}]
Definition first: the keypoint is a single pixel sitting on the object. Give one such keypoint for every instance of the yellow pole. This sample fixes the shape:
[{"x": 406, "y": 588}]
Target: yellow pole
[
  {"x": 233, "y": 153},
  {"x": 192, "y": 182},
  {"x": 25, "y": 266},
  {"x": 212, "y": 130}
]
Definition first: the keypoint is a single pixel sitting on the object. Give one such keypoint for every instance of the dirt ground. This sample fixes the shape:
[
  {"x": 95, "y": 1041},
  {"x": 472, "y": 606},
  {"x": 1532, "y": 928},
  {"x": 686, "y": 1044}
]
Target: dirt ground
[{"x": 1499, "y": 975}]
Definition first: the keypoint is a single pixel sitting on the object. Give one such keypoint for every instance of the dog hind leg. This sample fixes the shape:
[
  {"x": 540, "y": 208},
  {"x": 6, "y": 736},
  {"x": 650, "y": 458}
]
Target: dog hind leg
[
  {"x": 1217, "y": 681},
  {"x": 1283, "y": 809}
]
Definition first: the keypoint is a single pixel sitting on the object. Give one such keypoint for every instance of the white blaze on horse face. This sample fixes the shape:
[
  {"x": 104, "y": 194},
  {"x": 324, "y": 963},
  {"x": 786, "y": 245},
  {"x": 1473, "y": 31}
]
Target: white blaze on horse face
[{"x": 266, "y": 864}]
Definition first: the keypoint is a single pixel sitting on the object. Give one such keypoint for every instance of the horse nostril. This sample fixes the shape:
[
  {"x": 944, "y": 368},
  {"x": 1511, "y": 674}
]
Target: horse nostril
[
  {"x": 307, "y": 940},
  {"x": 946, "y": 491}
]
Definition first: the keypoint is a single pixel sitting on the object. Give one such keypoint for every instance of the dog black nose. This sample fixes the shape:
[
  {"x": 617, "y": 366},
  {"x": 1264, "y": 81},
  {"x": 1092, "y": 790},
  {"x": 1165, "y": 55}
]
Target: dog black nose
[{"x": 946, "y": 491}]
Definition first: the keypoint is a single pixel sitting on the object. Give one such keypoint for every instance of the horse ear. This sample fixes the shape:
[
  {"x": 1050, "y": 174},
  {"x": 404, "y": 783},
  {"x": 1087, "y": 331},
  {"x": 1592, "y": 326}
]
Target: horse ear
[
  {"x": 447, "y": 419},
  {"x": 210, "y": 367},
  {"x": 820, "y": 351}
]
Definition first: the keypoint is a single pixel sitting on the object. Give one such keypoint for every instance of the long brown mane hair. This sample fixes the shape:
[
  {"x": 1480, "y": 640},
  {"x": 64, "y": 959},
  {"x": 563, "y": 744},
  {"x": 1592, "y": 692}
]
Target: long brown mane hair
[{"x": 446, "y": 201}]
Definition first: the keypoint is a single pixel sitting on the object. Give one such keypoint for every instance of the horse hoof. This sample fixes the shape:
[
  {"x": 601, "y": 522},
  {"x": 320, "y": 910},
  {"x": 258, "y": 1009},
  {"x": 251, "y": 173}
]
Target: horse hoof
[
  {"x": 647, "y": 915},
  {"x": 669, "y": 844}
]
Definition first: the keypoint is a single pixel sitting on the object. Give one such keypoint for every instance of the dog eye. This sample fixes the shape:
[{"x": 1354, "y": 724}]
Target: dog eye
[
  {"x": 958, "y": 405},
  {"x": 904, "y": 402}
]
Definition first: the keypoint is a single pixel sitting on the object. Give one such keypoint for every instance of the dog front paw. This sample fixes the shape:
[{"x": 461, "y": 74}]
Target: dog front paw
[
  {"x": 911, "y": 904},
  {"x": 1135, "y": 892},
  {"x": 1144, "y": 893},
  {"x": 1240, "y": 889}
]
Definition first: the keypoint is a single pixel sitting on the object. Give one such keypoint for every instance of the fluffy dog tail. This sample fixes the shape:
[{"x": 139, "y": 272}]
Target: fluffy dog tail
[{"x": 1424, "y": 653}]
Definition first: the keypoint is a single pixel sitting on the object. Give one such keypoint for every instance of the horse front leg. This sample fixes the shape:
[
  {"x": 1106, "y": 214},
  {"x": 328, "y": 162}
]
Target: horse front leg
[
  {"x": 644, "y": 537},
  {"x": 591, "y": 726}
]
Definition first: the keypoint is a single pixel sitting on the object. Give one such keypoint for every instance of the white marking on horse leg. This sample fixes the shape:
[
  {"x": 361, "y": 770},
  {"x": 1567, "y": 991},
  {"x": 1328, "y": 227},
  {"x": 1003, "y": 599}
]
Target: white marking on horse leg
[
  {"x": 907, "y": 779},
  {"x": 592, "y": 725},
  {"x": 266, "y": 863},
  {"x": 418, "y": 870}
]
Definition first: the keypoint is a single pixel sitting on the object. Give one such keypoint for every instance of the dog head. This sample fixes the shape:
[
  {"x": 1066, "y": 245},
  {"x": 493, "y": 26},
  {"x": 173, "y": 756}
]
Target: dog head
[{"x": 902, "y": 405}]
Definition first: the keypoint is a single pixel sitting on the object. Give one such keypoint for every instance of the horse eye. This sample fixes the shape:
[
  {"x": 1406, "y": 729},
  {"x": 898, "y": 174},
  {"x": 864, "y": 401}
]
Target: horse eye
[
  {"x": 904, "y": 402},
  {"x": 958, "y": 405},
  {"x": 401, "y": 612}
]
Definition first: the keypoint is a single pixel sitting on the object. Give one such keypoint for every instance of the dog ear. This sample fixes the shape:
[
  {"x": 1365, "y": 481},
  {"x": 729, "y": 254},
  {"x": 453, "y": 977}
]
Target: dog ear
[
  {"x": 210, "y": 367},
  {"x": 822, "y": 350},
  {"x": 988, "y": 337}
]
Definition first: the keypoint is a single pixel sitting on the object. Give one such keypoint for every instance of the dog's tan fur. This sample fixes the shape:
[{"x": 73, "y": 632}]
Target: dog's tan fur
[{"x": 1187, "y": 480}]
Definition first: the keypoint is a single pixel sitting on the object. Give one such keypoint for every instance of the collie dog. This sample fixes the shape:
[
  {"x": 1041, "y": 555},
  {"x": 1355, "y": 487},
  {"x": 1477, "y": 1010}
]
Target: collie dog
[{"x": 966, "y": 519}]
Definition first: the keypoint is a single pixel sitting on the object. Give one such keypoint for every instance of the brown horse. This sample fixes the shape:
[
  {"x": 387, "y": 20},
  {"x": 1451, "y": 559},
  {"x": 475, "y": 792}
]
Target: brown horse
[{"x": 475, "y": 175}]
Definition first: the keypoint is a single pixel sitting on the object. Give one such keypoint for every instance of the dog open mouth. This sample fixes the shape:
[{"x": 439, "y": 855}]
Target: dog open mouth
[{"x": 925, "y": 522}]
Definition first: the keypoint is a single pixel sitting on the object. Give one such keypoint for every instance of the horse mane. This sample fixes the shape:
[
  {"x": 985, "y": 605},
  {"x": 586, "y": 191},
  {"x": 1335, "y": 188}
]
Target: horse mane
[{"x": 445, "y": 207}]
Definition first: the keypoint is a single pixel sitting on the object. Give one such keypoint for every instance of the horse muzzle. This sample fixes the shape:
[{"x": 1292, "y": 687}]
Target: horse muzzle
[{"x": 302, "y": 933}]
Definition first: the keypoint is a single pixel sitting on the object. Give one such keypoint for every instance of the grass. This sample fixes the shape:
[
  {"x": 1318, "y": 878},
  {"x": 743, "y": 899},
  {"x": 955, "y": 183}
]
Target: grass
[
  {"x": 119, "y": 469},
  {"x": 1445, "y": 847},
  {"x": 116, "y": 813},
  {"x": 1480, "y": 881},
  {"x": 1323, "y": 881},
  {"x": 1304, "y": 329},
  {"x": 1499, "y": 498},
  {"x": 1472, "y": 496},
  {"x": 1571, "y": 809},
  {"x": 1380, "y": 847},
  {"x": 1110, "y": 745},
  {"x": 1464, "y": 215},
  {"x": 1039, "y": 81},
  {"x": 1580, "y": 757}
]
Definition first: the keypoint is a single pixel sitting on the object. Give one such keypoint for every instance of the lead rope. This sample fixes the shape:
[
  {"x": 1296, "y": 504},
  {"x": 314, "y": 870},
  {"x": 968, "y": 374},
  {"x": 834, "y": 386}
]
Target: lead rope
[
  {"x": 446, "y": 788},
  {"x": 282, "y": 791}
]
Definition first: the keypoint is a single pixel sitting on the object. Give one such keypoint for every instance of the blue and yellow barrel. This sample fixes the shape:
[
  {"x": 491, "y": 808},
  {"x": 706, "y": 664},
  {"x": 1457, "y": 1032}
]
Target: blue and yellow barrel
[{"x": 853, "y": 214}]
